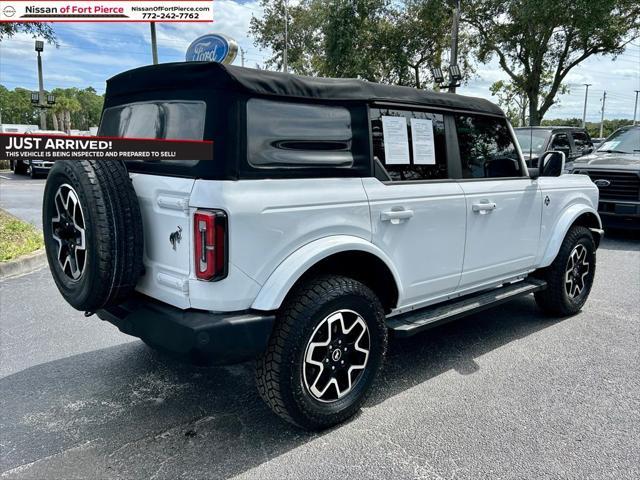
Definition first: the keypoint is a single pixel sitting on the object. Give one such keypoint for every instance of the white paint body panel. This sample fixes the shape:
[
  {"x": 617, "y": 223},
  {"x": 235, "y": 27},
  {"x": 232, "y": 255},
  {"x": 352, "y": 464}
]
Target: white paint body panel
[
  {"x": 164, "y": 204},
  {"x": 569, "y": 197},
  {"x": 278, "y": 229},
  {"x": 427, "y": 249},
  {"x": 501, "y": 242}
]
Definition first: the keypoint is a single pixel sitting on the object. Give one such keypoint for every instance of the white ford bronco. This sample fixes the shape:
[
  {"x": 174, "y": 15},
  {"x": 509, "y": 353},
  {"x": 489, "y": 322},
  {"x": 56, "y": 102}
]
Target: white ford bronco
[{"x": 334, "y": 212}]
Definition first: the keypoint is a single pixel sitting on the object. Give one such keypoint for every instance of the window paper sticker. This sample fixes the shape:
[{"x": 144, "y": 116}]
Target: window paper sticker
[
  {"x": 396, "y": 140},
  {"x": 422, "y": 140}
]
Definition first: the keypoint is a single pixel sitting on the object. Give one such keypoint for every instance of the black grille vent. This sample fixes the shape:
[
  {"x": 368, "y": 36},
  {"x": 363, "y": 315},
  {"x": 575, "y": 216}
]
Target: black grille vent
[{"x": 623, "y": 185}]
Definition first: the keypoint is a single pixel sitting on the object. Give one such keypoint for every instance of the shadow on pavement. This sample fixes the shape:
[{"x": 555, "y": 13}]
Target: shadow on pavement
[
  {"x": 624, "y": 240},
  {"x": 129, "y": 412}
]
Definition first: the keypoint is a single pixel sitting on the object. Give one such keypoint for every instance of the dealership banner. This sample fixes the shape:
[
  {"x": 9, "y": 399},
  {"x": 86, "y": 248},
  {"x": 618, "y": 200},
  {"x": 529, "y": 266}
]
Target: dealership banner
[
  {"x": 57, "y": 147},
  {"x": 107, "y": 11}
]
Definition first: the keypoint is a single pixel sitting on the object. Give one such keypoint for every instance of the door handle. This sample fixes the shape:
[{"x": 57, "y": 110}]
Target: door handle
[
  {"x": 483, "y": 207},
  {"x": 396, "y": 216}
]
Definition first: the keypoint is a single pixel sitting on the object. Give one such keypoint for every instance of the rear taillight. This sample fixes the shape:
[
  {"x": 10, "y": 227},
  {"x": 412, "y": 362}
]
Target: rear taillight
[{"x": 210, "y": 239}]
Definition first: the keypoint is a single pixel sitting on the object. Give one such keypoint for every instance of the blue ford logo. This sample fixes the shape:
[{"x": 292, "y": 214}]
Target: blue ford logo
[
  {"x": 212, "y": 48},
  {"x": 601, "y": 182}
]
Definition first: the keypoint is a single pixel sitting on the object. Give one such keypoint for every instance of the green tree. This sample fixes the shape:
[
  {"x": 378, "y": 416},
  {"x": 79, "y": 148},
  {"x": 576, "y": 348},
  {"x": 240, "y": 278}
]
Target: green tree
[
  {"x": 36, "y": 30},
  {"x": 538, "y": 39},
  {"x": 609, "y": 126},
  {"x": 514, "y": 100},
  {"x": 377, "y": 40},
  {"x": 16, "y": 107},
  {"x": 90, "y": 108},
  {"x": 66, "y": 104}
]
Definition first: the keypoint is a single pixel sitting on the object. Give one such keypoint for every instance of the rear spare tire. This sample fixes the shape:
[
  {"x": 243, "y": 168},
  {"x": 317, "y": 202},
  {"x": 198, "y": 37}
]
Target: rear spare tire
[{"x": 92, "y": 232}]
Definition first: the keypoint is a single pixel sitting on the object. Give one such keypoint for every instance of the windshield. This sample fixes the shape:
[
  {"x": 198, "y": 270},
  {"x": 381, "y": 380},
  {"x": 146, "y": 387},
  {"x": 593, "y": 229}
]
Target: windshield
[
  {"x": 622, "y": 141},
  {"x": 532, "y": 140}
]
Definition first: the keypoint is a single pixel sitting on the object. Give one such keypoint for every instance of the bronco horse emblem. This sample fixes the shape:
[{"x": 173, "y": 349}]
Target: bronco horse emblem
[{"x": 175, "y": 237}]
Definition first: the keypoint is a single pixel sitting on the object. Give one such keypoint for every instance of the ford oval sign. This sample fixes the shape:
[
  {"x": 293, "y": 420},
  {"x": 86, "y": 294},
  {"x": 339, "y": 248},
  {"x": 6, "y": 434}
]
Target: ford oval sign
[{"x": 212, "y": 47}]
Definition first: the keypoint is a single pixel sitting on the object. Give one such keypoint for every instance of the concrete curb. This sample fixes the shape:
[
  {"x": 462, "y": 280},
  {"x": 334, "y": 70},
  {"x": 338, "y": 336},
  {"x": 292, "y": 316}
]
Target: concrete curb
[{"x": 24, "y": 264}]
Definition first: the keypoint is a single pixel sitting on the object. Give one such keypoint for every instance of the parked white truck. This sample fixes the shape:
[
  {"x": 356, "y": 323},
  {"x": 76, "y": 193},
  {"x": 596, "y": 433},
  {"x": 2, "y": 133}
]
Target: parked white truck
[{"x": 335, "y": 211}]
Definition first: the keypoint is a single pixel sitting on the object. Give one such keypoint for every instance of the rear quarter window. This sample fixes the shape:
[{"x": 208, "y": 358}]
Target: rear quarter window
[
  {"x": 297, "y": 135},
  {"x": 175, "y": 120},
  {"x": 170, "y": 120}
]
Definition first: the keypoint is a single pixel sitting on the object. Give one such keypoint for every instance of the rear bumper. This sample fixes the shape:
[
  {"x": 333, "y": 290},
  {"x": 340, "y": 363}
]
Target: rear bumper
[{"x": 219, "y": 338}]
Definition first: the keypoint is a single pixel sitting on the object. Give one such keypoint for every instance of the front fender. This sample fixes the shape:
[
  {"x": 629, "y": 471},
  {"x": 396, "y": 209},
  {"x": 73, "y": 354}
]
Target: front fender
[
  {"x": 561, "y": 228},
  {"x": 279, "y": 283}
]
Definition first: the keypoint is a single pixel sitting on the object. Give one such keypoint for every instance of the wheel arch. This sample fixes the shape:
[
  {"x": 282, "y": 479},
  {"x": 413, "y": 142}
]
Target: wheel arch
[
  {"x": 582, "y": 215},
  {"x": 342, "y": 255}
]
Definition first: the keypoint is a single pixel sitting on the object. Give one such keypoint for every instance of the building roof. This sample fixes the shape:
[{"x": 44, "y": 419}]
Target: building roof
[{"x": 202, "y": 75}]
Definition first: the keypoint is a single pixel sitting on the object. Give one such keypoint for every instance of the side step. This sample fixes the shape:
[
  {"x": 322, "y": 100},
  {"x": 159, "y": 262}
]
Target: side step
[{"x": 410, "y": 323}]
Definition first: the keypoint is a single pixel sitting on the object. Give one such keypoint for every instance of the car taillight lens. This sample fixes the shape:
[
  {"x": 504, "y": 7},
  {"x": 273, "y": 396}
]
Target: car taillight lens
[{"x": 210, "y": 239}]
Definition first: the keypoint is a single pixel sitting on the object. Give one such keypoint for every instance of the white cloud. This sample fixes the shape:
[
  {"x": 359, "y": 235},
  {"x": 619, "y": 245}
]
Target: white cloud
[{"x": 90, "y": 53}]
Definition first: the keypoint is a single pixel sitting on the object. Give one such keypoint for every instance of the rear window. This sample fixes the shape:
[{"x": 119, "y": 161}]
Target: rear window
[
  {"x": 296, "y": 135},
  {"x": 532, "y": 140},
  {"x": 175, "y": 120}
]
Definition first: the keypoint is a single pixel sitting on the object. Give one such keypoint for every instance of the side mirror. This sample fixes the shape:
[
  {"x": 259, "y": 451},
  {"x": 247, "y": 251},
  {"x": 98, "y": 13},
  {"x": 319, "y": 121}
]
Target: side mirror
[{"x": 551, "y": 164}]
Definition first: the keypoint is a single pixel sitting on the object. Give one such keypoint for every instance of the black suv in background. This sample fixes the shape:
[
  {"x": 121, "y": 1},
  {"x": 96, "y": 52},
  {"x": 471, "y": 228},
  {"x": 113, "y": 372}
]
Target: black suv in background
[
  {"x": 534, "y": 141},
  {"x": 615, "y": 169}
]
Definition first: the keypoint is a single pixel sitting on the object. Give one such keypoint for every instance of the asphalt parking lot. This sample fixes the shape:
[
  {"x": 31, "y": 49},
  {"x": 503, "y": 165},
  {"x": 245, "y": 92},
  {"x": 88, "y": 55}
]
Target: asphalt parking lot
[
  {"x": 22, "y": 196},
  {"x": 507, "y": 393}
]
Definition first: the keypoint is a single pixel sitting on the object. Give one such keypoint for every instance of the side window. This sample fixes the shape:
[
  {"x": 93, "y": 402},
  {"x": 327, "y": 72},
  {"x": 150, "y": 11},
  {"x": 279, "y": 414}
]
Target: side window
[
  {"x": 296, "y": 135},
  {"x": 561, "y": 142},
  {"x": 421, "y": 154},
  {"x": 582, "y": 142},
  {"x": 487, "y": 149}
]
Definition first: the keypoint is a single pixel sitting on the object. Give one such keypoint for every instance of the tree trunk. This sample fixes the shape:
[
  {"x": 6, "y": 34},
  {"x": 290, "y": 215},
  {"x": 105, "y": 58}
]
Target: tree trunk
[
  {"x": 60, "y": 116},
  {"x": 55, "y": 120},
  {"x": 534, "y": 114},
  {"x": 417, "y": 70},
  {"x": 67, "y": 121}
]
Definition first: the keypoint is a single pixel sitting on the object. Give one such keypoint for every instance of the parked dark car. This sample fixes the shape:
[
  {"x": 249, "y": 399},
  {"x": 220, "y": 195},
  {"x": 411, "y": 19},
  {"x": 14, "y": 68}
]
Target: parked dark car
[
  {"x": 37, "y": 167},
  {"x": 615, "y": 168},
  {"x": 574, "y": 142}
]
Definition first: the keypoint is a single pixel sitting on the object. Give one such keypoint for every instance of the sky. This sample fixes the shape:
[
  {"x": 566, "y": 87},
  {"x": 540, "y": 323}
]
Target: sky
[{"x": 90, "y": 53}]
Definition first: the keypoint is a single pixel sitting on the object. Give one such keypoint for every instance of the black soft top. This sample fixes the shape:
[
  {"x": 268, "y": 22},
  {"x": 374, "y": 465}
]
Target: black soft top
[{"x": 202, "y": 75}]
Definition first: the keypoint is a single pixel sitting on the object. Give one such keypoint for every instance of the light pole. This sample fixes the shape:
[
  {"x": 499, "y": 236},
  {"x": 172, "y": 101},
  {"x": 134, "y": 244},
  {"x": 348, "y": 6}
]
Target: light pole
[
  {"x": 285, "y": 66},
  {"x": 635, "y": 108},
  {"x": 584, "y": 111},
  {"x": 453, "y": 61},
  {"x": 154, "y": 43},
  {"x": 43, "y": 115},
  {"x": 604, "y": 99}
]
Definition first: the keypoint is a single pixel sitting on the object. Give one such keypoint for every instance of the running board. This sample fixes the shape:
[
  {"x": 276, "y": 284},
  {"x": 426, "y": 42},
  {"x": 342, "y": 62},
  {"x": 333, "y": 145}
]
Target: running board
[{"x": 410, "y": 323}]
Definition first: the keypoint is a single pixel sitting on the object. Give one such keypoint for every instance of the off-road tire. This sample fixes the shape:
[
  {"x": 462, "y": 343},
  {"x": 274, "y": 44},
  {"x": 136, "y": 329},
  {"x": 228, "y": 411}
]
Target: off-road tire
[
  {"x": 279, "y": 370},
  {"x": 554, "y": 300},
  {"x": 113, "y": 231},
  {"x": 19, "y": 168}
]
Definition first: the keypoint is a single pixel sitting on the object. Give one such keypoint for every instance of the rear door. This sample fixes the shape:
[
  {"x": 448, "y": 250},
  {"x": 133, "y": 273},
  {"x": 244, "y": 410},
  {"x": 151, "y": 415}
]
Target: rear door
[
  {"x": 163, "y": 199},
  {"x": 503, "y": 205},
  {"x": 417, "y": 212}
]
